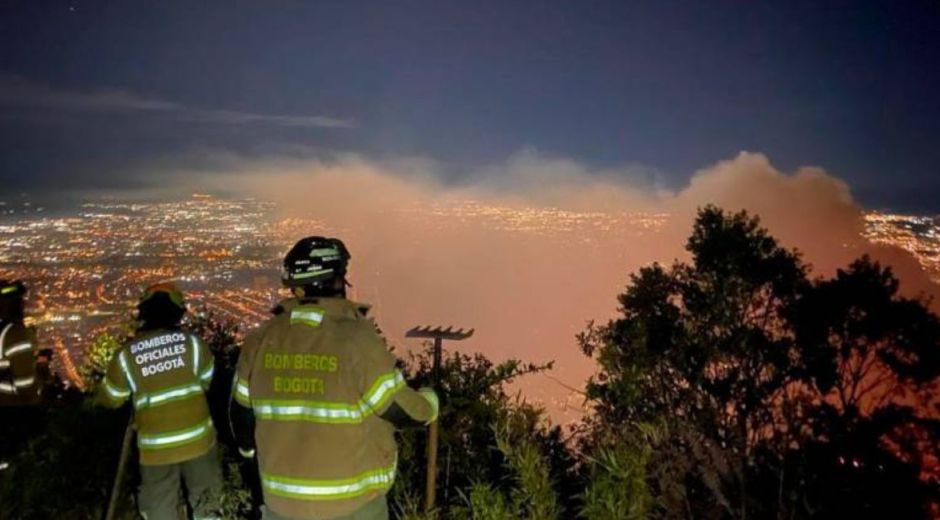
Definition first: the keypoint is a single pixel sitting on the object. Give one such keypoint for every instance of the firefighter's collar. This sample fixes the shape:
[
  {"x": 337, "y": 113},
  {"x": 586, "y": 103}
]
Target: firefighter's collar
[{"x": 332, "y": 306}]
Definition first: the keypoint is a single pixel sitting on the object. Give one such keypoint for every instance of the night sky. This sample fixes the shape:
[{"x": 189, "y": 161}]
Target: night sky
[{"x": 94, "y": 93}]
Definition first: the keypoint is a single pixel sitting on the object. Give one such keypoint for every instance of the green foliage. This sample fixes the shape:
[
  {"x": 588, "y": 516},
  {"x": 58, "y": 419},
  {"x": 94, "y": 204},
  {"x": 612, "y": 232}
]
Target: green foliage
[
  {"x": 533, "y": 496},
  {"x": 97, "y": 358},
  {"x": 485, "y": 502},
  {"x": 236, "y": 498},
  {"x": 409, "y": 506},
  {"x": 62, "y": 461},
  {"x": 530, "y": 494},
  {"x": 473, "y": 398},
  {"x": 618, "y": 487}
]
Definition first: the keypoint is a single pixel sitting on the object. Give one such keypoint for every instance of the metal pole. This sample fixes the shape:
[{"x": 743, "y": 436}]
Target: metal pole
[
  {"x": 430, "y": 490},
  {"x": 122, "y": 465}
]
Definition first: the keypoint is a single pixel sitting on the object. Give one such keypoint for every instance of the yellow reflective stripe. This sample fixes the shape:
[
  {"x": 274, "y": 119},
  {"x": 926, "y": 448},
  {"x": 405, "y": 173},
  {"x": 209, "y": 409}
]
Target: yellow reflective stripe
[
  {"x": 329, "y": 412},
  {"x": 242, "y": 394},
  {"x": 7, "y": 388},
  {"x": 169, "y": 395},
  {"x": 19, "y": 347},
  {"x": 383, "y": 389},
  {"x": 3, "y": 336},
  {"x": 24, "y": 381},
  {"x": 194, "y": 342},
  {"x": 114, "y": 391},
  {"x": 156, "y": 441},
  {"x": 127, "y": 371},
  {"x": 336, "y": 489},
  {"x": 310, "y": 411},
  {"x": 207, "y": 375},
  {"x": 310, "y": 274}
]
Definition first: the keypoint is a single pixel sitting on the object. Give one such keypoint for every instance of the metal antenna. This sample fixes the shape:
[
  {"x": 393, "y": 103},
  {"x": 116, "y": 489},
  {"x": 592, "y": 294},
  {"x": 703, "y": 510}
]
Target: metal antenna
[{"x": 438, "y": 334}]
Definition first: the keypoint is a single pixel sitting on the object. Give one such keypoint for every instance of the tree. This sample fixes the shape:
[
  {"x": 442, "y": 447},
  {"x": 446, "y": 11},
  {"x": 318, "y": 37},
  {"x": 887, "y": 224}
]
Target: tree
[
  {"x": 777, "y": 396},
  {"x": 873, "y": 360},
  {"x": 704, "y": 348}
]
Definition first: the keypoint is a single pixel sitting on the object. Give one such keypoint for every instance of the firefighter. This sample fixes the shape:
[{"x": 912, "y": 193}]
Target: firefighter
[
  {"x": 165, "y": 372},
  {"x": 318, "y": 396},
  {"x": 18, "y": 383}
]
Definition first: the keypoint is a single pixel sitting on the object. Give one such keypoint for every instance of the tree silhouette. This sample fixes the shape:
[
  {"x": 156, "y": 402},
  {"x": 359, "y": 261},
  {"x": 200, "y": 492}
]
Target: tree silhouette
[
  {"x": 872, "y": 359},
  {"x": 779, "y": 396}
]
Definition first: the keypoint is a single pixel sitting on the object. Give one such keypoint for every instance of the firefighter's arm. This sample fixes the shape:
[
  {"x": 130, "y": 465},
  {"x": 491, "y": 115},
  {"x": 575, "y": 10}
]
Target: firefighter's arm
[
  {"x": 205, "y": 363},
  {"x": 18, "y": 352},
  {"x": 241, "y": 415},
  {"x": 114, "y": 390},
  {"x": 385, "y": 392},
  {"x": 412, "y": 408}
]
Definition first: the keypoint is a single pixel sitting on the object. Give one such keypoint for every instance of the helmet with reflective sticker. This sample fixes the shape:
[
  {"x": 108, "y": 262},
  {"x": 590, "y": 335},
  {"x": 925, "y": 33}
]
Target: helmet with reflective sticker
[
  {"x": 12, "y": 293},
  {"x": 314, "y": 261},
  {"x": 12, "y": 289}
]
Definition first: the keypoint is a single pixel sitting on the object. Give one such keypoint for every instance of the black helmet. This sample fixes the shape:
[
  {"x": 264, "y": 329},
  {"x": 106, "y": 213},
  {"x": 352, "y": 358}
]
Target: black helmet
[
  {"x": 161, "y": 306},
  {"x": 11, "y": 300},
  {"x": 169, "y": 289},
  {"x": 315, "y": 261},
  {"x": 12, "y": 289}
]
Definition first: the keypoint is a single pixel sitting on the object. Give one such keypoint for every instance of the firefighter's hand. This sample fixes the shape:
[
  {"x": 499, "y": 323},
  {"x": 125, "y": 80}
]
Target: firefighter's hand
[{"x": 431, "y": 396}]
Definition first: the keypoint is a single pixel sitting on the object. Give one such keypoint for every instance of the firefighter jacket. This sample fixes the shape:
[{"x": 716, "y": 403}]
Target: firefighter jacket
[
  {"x": 18, "y": 385},
  {"x": 323, "y": 389},
  {"x": 165, "y": 373}
]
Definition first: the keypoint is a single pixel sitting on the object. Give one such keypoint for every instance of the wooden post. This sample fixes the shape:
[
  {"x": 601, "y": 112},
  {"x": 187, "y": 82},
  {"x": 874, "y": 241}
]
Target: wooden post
[
  {"x": 122, "y": 465},
  {"x": 439, "y": 335},
  {"x": 430, "y": 490}
]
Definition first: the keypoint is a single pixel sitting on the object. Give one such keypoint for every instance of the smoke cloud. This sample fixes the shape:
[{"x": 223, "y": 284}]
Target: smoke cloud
[{"x": 537, "y": 247}]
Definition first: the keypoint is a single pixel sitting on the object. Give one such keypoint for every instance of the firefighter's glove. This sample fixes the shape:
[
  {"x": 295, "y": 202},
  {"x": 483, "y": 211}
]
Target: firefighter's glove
[{"x": 431, "y": 396}]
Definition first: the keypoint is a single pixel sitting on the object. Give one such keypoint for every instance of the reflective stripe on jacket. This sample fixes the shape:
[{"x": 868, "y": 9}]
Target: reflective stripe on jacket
[
  {"x": 165, "y": 374},
  {"x": 17, "y": 366},
  {"x": 318, "y": 378}
]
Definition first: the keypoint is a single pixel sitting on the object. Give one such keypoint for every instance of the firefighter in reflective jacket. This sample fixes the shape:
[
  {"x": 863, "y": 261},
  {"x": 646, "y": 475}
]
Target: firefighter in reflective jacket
[
  {"x": 18, "y": 384},
  {"x": 165, "y": 371},
  {"x": 318, "y": 396}
]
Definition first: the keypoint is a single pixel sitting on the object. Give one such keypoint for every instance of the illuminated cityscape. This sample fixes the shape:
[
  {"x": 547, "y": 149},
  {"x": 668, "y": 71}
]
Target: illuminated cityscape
[
  {"x": 585, "y": 226},
  {"x": 919, "y": 235},
  {"x": 86, "y": 271},
  {"x": 86, "y": 268}
]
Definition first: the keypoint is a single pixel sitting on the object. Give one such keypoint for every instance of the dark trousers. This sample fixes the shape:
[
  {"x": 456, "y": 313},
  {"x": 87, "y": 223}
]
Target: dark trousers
[
  {"x": 160, "y": 488},
  {"x": 374, "y": 510}
]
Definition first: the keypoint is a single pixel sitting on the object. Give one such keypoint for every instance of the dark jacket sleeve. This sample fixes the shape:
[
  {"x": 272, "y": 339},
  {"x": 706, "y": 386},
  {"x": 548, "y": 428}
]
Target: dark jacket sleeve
[
  {"x": 383, "y": 388},
  {"x": 241, "y": 415},
  {"x": 18, "y": 352},
  {"x": 243, "y": 427}
]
